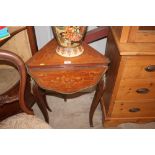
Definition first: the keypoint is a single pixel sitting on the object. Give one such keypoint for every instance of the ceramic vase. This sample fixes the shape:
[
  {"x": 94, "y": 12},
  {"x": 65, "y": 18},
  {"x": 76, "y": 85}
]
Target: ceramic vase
[{"x": 69, "y": 40}]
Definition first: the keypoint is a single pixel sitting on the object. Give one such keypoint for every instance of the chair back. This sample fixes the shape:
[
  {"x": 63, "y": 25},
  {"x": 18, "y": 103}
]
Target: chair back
[{"x": 19, "y": 64}]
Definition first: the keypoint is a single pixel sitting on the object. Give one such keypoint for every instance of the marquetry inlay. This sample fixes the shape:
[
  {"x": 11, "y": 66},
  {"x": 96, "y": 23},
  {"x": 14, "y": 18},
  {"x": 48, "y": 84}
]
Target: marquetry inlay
[
  {"x": 64, "y": 75},
  {"x": 68, "y": 81}
]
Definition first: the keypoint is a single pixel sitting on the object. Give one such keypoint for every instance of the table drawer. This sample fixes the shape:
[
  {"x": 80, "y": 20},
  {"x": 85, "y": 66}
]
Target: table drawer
[
  {"x": 134, "y": 109},
  {"x": 139, "y": 67},
  {"x": 136, "y": 89}
]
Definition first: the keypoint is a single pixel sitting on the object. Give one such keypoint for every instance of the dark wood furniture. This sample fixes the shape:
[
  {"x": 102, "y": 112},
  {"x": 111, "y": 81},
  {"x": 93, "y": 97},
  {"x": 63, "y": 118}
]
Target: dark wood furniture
[
  {"x": 67, "y": 75},
  {"x": 22, "y": 41},
  {"x": 130, "y": 80},
  {"x": 96, "y": 34},
  {"x": 9, "y": 100},
  {"x": 25, "y": 119},
  {"x": 29, "y": 32}
]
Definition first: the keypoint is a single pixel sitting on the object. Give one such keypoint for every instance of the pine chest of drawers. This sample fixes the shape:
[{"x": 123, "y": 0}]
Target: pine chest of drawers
[{"x": 130, "y": 81}]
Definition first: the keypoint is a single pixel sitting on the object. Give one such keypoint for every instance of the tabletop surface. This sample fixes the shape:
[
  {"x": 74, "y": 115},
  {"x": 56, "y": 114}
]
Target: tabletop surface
[
  {"x": 50, "y": 71},
  {"x": 47, "y": 56}
]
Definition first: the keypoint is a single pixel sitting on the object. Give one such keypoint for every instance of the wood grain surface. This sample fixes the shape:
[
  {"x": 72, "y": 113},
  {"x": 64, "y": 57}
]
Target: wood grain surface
[{"x": 130, "y": 81}]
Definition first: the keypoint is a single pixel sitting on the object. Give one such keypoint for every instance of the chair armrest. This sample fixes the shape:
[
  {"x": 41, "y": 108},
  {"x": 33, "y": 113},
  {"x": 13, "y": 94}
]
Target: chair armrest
[{"x": 96, "y": 34}]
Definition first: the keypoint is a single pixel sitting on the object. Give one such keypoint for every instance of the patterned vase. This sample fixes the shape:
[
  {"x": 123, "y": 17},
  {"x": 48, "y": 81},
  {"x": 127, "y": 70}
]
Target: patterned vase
[{"x": 69, "y": 40}]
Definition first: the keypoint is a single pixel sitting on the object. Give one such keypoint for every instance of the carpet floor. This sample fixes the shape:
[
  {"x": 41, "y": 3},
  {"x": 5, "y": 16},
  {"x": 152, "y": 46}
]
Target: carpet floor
[{"x": 74, "y": 114}]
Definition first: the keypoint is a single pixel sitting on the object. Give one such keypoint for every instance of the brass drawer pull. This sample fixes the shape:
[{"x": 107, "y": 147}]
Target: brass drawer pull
[
  {"x": 150, "y": 68},
  {"x": 134, "y": 110},
  {"x": 142, "y": 91}
]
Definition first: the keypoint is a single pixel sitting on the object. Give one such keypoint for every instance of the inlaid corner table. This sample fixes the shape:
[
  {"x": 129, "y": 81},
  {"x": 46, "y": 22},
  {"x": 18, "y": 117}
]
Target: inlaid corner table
[{"x": 52, "y": 72}]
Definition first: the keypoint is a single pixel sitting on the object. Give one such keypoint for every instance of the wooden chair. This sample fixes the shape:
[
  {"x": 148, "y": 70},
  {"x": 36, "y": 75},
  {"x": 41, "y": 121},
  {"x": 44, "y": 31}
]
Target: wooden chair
[
  {"x": 25, "y": 118},
  {"x": 96, "y": 34},
  {"x": 22, "y": 42}
]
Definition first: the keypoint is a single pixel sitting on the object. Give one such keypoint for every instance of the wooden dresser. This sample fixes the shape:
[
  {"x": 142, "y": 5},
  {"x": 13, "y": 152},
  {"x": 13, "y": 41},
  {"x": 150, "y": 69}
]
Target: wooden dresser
[{"x": 130, "y": 80}]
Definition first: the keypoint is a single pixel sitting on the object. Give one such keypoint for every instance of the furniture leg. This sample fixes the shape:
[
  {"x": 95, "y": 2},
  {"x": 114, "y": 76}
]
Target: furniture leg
[
  {"x": 65, "y": 97},
  {"x": 98, "y": 94},
  {"x": 29, "y": 98},
  {"x": 44, "y": 98},
  {"x": 41, "y": 101}
]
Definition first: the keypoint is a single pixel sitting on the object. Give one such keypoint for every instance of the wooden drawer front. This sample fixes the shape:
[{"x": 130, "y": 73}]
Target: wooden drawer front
[
  {"x": 141, "y": 67},
  {"x": 136, "y": 90},
  {"x": 134, "y": 109}
]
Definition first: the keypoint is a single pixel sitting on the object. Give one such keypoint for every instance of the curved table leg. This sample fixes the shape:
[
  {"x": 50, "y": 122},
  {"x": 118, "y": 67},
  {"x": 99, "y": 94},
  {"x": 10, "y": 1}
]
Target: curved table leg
[
  {"x": 41, "y": 101},
  {"x": 45, "y": 101},
  {"x": 98, "y": 94}
]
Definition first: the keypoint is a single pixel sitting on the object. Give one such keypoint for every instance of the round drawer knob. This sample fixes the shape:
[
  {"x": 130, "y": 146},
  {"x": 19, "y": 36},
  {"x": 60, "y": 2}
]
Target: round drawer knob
[
  {"x": 150, "y": 68},
  {"x": 134, "y": 110},
  {"x": 142, "y": 91}
]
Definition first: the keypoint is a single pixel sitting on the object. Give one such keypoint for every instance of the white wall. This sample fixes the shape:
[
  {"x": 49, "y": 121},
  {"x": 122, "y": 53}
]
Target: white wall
[{"x": 44, "y": 34}]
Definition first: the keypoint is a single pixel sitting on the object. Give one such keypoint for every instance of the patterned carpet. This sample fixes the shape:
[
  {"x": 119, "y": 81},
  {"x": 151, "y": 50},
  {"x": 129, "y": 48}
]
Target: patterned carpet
[{"x": 74, "y": 113}]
